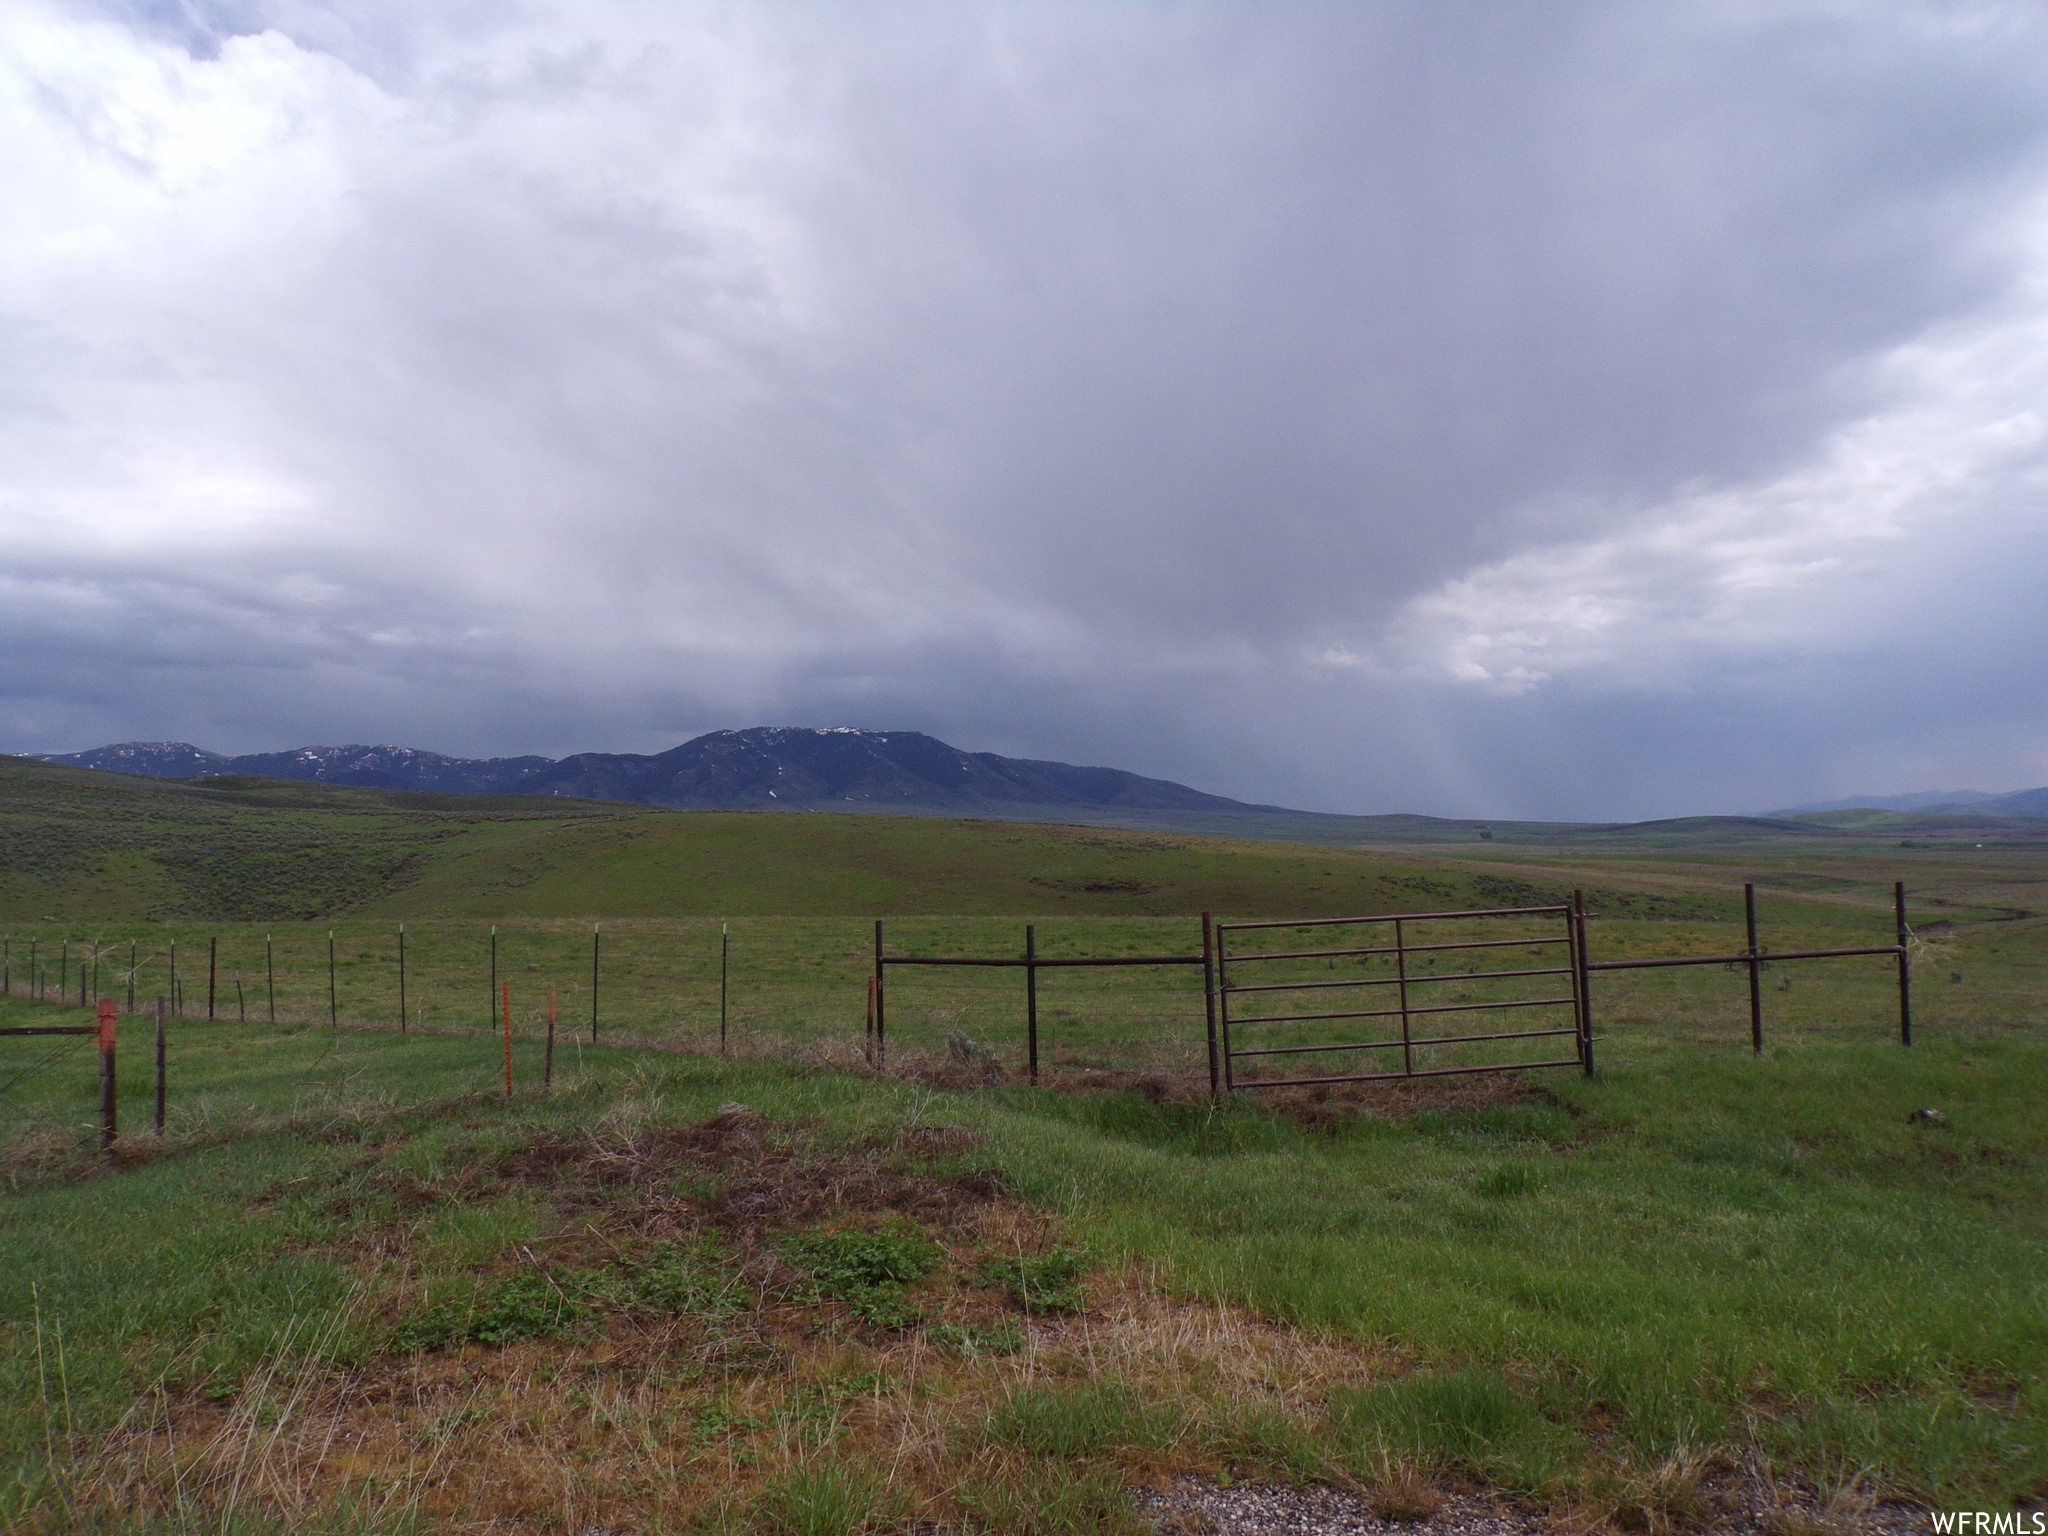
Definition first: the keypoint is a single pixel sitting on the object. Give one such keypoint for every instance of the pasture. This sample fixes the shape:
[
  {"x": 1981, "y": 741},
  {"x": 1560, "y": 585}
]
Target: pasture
[
  {"x": 358, "y": 1287},
  {"x": 1629, "y": 1294}
]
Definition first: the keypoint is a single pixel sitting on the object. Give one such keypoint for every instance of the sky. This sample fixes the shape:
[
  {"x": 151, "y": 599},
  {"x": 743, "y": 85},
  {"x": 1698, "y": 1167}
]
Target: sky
[{"x": 1584, "y": 410}]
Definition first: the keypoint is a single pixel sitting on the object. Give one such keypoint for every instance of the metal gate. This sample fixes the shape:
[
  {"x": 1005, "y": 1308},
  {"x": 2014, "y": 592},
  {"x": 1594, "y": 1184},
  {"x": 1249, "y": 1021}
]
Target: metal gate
[{"x": 1411, "y": 963}]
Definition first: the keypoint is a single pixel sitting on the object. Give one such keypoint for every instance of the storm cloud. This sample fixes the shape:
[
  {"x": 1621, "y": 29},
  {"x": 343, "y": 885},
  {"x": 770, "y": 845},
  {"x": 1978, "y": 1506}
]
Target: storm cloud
[{"x": 1576, "y": 409}]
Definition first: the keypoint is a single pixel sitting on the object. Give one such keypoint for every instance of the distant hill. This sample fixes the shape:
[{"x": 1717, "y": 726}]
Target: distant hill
[
  {"x": 360, "y": 766},
  {"x": 776, "y": 768},
  {"x": 771, "y": 768},
  {"x": 79, "y": 846},
  {"x": 1919, "y": 800},
  {"x": 766, "y": 768},
  {"x": 2025, "y": 803},
  {"x": 790, "y": 769}
]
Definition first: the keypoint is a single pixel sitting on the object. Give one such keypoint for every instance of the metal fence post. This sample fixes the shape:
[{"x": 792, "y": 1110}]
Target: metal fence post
[
  {"x": 1581, "y": 964},
  {"x": 595, "y": 940},
  {"x": 1209, "y": 1002},
  {"x": 1905, "y": 964},
  {"x": 724, "y": 959},
  {"x": 1223, "y": 1007},
  {"x": 1756, "y": 973},
  {"x": 1401, "y": 974},
  {"x": 159, "y": 1066},
  {"x": 333, "y": 998},
  {"x": 547, "y": 1071},
  {"x": 1031, "y": 996},
  {"x": 881, "y": 1013},
  {"x": 108, "y": 1127},
  {"x": 212, "y": 972},
  {"x": 401, "y": 979}
]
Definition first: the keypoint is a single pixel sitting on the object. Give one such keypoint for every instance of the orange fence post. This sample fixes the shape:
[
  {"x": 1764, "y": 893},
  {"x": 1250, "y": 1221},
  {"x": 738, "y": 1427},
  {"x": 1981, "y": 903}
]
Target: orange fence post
[{"x": 107, "y": 1125}]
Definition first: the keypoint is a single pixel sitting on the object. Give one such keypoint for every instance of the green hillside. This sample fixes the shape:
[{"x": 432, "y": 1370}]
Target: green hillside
[{"x": 75, "y": 843}]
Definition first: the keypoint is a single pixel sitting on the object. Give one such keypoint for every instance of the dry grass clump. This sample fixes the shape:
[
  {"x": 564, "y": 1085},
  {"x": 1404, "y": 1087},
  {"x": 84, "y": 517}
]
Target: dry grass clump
[
  {"x": 736, "y": 1417},
  {"x": 683, "y": 1422}
]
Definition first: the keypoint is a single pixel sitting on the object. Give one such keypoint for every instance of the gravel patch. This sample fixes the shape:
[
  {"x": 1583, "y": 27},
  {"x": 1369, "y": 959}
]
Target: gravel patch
[{"x": 1198, "y": 1507}]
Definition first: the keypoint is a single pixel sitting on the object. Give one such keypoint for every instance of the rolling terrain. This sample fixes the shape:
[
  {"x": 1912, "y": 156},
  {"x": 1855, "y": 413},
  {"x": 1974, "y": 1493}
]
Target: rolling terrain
[
  {"x": 363, "y": 1287},
  {"x": 75, "y": 843},
  {"x": 906, "y": 773},
  {"x": 78, "y": 842}
]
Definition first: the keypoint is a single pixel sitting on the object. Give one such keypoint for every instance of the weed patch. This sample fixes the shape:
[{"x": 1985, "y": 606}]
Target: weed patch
[
  {"x": 871, "y": 1272},
  {"x": 971, "y": 1341},
  {"x": 693, "y": 1277},
  {"x": 523, "y": 1306},
  {"x": 1043, "y": 1282}
]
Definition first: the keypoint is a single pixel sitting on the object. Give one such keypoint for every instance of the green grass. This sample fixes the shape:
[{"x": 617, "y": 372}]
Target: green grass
[
  {"x": 1696, "y": 1252},
  {"x": 76, "y": 844},
  {"x": 795, "y": 982}
]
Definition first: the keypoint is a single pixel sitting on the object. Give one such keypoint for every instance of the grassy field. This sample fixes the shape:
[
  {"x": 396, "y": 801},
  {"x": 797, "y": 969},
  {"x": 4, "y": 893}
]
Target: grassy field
[
  {"x": 78, "y": 846},
  {"x": 801, "y": 981},
  {"x": 358, "y": 1286}
]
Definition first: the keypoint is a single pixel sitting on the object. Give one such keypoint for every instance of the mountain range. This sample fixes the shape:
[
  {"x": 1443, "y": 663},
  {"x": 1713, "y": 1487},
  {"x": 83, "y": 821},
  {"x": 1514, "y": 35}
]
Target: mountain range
[
  {"x": 766, "y": 768},
  {"x": 908, "y": 772}
]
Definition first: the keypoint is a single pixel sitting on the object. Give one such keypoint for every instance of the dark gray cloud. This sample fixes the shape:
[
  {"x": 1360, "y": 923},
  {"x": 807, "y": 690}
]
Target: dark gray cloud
[{"x": 1569, "y": 410}]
